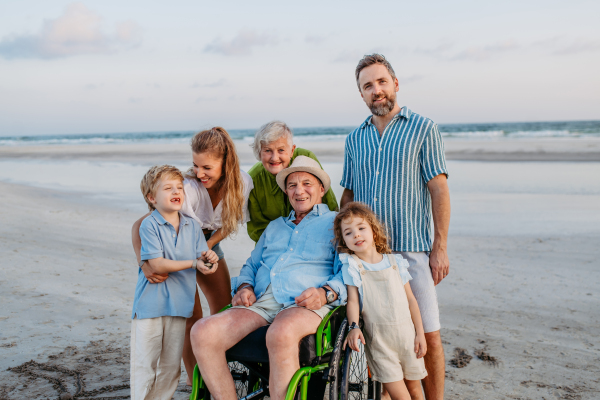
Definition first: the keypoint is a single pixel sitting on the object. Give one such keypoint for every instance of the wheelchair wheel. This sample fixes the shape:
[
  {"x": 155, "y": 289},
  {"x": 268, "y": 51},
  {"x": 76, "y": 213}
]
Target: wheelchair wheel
[
  {"x": 349, "y": 374},
  {"x": 241, "y": 378}
]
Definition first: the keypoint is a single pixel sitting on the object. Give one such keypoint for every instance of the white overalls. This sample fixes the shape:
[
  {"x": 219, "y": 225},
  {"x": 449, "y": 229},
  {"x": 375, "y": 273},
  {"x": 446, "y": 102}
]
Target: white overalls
[{"x": 389, "y": 330}]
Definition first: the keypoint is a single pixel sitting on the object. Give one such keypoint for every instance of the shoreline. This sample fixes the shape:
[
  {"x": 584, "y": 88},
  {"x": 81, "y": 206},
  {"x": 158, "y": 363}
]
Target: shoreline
[{"x": 556, "y": 149}]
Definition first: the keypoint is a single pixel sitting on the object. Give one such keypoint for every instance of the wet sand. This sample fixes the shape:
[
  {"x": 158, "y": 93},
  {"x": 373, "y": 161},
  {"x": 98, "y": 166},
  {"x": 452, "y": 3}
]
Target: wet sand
[{"x": 521, "y": 303}]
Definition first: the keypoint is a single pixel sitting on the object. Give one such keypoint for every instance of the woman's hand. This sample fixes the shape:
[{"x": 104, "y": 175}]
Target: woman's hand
[
  {"x": 420, "y": 345},
  {"x": 244, "y": 297},
  {"x": 210, "y": 256},
  {"x": 352, "y": 339},
  {"x": 151, "y": 276}
]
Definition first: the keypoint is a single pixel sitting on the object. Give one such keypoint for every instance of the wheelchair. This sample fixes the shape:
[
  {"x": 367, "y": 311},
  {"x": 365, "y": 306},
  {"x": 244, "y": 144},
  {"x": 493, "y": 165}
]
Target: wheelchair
[{"x": 324, "y": 366}]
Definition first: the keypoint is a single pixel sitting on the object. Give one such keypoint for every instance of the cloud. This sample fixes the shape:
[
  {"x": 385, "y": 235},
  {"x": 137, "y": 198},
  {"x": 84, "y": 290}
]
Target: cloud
[
  {"x": 241, "y": 44},
  {"x": 203, "y": 99},
  {"x": 314, "y": 39},
  {"x": 77, "y": 31},
  {"x": 558, "y": 45},
  {"x": 480, "y": 53},
  {"x": 437, "y": 51},
  {"x": 405, "y": 80},
  {"x": 219, "y": 83}
]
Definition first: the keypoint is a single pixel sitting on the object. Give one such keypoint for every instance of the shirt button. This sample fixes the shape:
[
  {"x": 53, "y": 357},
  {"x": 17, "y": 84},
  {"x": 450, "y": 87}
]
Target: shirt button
[
  {"x": 380, "y": 149},
  {"x": 394, "y": 267},
  {"x": 377, "y": 173},
  {"x": 296, "y": 231},
  {"x": 281, "y": 259},
  {"x": 291, "y": 249},
  {"x": 375, "y": 199},
  {"x": 362, "y": 272},
  {"x": 173, "y": 235}
]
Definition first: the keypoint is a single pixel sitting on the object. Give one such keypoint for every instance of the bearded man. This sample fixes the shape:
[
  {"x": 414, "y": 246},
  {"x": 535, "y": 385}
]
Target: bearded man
[{"x": 394, "y": 162}]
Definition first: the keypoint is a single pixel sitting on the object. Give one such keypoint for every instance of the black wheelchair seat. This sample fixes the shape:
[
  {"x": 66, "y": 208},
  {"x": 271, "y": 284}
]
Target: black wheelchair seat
[{"x": 253, "y": 348}]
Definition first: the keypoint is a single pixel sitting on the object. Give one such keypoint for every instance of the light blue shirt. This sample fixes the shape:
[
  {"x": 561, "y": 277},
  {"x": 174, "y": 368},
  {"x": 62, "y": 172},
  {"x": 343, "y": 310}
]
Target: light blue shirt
[
  {"x": 175, "y": 296},
  {"x": 390, "y": 172},
  {"x": 292, "y": 258},
  {"x": 351, "y": 272}
]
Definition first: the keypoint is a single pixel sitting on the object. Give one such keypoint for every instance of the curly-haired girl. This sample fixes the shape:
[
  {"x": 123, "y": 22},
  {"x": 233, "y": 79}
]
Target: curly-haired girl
[{"x": 378, "y": 284}]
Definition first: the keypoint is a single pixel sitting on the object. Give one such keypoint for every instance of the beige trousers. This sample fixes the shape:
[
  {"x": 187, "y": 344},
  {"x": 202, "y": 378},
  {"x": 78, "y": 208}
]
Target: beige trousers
[
  {"x": 389, "y": 329},
  {"x": 156, "y": 347}
]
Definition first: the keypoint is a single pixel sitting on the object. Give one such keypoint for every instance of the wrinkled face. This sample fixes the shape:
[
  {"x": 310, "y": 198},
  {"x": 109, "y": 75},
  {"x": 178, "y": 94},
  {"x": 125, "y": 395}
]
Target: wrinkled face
[
  {"x": 208, "y": 168},
  {"x": 276, "y": 155},
  {"x": 378, "y": 89},
  {"x": 169, "y": 195},
  {"x": 304, "y": 191},
  {"x": 357, "y": 234}
]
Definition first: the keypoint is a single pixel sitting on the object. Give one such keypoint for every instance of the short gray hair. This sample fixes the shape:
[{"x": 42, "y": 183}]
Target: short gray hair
[{"x": 268, "y": 133}]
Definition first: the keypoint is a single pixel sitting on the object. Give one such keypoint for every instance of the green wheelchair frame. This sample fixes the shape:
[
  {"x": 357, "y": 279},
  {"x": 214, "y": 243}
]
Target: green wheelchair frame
[{"x": 345, "y": 371}]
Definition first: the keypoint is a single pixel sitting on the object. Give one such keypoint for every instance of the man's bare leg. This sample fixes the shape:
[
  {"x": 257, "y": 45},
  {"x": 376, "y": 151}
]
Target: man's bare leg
[
  {"x": 435, "y": 364},
  {"x": 217, "y": 289},
  {"x": 283, "y": 337},
  {"x": 211, "y": 337}
]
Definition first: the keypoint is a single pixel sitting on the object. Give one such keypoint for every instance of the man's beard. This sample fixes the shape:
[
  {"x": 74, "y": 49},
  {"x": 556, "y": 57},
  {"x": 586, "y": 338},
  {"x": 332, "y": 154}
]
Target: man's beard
[{"x": 384, "y": 108}]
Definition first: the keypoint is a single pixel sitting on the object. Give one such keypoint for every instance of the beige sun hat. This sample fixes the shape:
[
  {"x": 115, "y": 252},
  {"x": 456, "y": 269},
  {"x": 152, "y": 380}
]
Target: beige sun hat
[{"x": 304, "y": 164}]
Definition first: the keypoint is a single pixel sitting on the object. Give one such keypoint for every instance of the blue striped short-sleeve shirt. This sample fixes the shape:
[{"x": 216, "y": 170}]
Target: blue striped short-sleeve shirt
[{"x": 390, "y": 172}]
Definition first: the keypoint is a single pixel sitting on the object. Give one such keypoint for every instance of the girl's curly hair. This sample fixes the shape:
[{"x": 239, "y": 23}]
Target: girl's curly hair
[{"x": 360, "y": 210}]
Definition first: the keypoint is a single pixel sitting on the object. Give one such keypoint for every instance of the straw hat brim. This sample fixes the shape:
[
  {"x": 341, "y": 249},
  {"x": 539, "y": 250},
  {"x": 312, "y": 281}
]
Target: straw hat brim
[{"x": 316, "y": 171}]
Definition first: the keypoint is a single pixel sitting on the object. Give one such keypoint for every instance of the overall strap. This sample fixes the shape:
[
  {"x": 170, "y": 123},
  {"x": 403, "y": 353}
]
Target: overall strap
[
  {"x": 360, "y": 265},
  {"x": 393, "y": 262}
]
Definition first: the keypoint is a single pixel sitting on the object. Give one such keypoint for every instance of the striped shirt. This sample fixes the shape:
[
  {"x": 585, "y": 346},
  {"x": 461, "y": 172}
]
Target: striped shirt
[{"x": 390, "y": 172}]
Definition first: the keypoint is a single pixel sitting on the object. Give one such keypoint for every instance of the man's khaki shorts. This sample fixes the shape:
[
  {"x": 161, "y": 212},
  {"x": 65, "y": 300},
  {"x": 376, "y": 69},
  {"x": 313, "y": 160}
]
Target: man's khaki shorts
[{"x": 267, "y": 307}]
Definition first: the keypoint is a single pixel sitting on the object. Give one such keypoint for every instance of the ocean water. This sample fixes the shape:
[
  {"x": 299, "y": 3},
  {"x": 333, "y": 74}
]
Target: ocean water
[{"x": 491, "y": 131}]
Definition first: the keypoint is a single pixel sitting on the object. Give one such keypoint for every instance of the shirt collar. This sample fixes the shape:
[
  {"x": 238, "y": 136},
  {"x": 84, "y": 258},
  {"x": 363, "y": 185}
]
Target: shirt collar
[
  {"x": 162, "y": 221},
  {"x": 404, "y": 113},
  {"x": 318, "y": 210}
]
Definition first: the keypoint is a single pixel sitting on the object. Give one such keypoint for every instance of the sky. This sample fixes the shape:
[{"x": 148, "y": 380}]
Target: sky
[{"x": 137, "y": 66}]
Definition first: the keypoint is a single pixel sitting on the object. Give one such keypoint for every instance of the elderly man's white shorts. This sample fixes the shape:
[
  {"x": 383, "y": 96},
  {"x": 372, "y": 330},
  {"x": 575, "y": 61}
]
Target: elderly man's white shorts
[
  {"x": 423, "y": 288},
  {"x": 267, "y": 307}
]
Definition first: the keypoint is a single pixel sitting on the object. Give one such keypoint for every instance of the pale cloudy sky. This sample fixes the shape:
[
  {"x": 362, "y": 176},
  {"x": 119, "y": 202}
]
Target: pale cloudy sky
[{"x": 128, "y": 66}]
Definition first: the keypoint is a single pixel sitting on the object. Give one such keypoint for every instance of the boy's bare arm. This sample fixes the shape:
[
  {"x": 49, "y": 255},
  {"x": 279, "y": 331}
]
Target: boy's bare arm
[{"x": 162, "y": 265}]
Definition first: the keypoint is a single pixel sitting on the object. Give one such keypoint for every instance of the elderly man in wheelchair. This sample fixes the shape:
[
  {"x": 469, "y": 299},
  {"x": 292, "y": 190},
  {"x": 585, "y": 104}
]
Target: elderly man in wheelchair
[{"x": 288, "y": 289}]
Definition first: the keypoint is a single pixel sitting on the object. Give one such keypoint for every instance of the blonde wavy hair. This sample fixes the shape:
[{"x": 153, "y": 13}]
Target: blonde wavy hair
[
  {"x": 356, "y": 209},
  {"x": 231, "y": 185}
]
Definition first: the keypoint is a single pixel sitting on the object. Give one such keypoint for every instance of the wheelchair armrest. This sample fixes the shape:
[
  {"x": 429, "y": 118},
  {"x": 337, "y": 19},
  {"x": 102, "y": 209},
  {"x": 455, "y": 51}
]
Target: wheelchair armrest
[
  {"x": 327, "y": 330},
  {"x": 227, "y": 307}
]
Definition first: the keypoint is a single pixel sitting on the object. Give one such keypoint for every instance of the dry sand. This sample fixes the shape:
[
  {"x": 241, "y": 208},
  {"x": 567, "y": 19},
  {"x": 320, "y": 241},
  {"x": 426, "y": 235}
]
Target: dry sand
[{"x": 526, "y": 303}]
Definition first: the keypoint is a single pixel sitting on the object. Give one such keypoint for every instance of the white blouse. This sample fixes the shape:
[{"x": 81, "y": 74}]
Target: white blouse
[{"x": 197, "y": 204}]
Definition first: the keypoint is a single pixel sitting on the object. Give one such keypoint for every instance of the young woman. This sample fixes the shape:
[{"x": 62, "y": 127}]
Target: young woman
[{"x": 216, "y": 195}]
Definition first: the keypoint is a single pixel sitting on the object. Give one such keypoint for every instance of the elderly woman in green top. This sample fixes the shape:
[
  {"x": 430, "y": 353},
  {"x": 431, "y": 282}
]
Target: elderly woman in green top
[{"x": 275, "y": 149}]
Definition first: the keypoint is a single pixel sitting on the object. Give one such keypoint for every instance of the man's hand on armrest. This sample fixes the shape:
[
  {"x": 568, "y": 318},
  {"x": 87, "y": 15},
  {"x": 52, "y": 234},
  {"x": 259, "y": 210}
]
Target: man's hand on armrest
[
  {"x": 244, "y": 296},
  {"x": 313, "y": 298}
]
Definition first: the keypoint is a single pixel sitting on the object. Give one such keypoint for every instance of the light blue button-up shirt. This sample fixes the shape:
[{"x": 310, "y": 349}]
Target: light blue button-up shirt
[
  {"x": 292, "y": 258},
  {"x": 175, "y": 296}
]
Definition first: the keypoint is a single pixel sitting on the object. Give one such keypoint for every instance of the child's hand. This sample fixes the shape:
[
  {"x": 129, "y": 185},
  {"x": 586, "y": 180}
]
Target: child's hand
[
  {"x": 420, "y": 345},
  {"x": 210, "y": 256},
  {"x": 200, "y": 266},
  {"x": 352, "y": 339}
]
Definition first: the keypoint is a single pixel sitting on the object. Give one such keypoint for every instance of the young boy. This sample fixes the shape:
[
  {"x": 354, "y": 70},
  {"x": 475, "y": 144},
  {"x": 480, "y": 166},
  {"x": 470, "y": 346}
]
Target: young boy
[{"x": 171, "y": 243}]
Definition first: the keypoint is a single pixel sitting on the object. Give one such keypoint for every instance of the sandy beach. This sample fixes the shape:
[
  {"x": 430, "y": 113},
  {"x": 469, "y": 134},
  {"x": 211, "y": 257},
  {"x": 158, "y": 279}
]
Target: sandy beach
[{"x": 520, "y": 308}]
